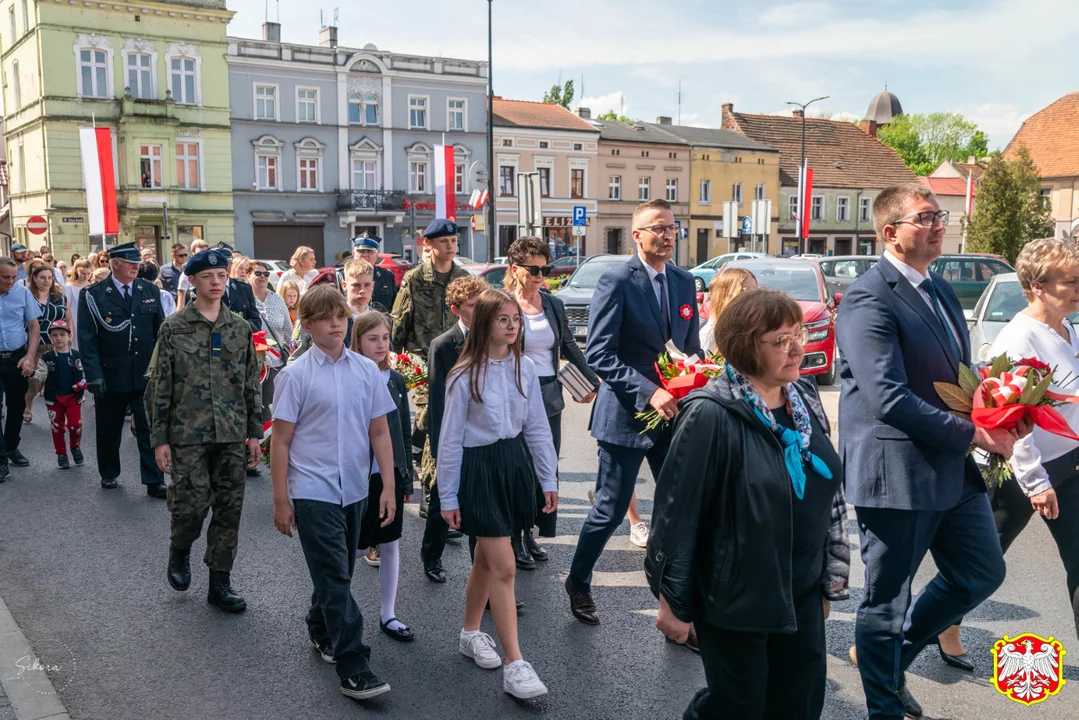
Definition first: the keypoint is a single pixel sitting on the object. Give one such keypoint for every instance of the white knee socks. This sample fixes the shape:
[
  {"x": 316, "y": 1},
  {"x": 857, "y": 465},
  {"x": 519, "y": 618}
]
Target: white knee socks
[{"x": 387, "y": 577}]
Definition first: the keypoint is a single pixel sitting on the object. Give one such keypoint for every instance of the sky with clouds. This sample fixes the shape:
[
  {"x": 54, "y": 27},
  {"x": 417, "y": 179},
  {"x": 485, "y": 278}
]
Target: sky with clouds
[{"x": 995, "y": 61}]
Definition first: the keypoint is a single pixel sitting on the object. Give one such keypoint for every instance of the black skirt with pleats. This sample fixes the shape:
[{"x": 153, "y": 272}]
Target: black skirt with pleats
[{"x": 498, "y": 489}]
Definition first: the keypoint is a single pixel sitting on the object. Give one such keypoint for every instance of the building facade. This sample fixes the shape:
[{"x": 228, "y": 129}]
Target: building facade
[
  {"x": 547, "y": 139},
  {"x": 330, "y": 141},
  {"x": 155, "y": 74}
]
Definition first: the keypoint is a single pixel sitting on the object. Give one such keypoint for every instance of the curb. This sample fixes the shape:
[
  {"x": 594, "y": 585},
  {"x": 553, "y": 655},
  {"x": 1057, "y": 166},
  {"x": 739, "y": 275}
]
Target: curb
[{"x": 36, "y": 700}]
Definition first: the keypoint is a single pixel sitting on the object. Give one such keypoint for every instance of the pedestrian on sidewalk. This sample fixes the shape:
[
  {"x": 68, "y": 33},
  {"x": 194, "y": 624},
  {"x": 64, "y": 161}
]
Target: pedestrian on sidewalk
[
  {"x": 331, "y": 414},
  {"x": 493, "y": 444},
  {"x": 205, "y": 411},
  {"x": 371, "y": 338},
  {"x": 64, "y": 390}
]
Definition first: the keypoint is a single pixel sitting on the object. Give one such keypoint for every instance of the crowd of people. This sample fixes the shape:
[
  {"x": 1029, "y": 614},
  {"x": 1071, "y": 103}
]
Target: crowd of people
[{"x": 748, "y": 545}]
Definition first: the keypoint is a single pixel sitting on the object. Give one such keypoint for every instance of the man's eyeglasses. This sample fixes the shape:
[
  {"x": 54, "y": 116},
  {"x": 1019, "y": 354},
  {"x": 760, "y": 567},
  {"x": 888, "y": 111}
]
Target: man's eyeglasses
[
  {"x": 537, "y": 270},
  {"x": 783, "y": 343},
  {"x": 505, "y": 320},
  {"x": 261, "y": 273},
  {"x": 660, "y": 229},
  {"x": 924, "y": 219}
]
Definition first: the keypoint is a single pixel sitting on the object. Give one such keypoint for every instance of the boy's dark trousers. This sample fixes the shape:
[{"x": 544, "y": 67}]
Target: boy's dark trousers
[
  {"x": 329, "y": 534},
  {"x": 65, "y": 413}
]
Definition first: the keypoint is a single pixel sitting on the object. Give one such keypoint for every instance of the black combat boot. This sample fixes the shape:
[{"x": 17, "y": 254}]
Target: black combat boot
[
  {"x": 221, "y": 595},
  {"x": 179, "y": 568}
]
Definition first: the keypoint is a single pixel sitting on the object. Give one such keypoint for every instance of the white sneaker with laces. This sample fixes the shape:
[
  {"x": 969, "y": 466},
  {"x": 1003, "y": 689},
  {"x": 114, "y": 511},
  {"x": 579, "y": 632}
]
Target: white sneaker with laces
[
  {"x": 521, "y": 681},
  {"x": 638, "y": 534},
  {"x": 480, "y": 647}
]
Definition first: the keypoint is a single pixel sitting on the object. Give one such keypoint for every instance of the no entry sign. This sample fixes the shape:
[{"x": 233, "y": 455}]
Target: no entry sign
[{"x": 37, "y": 225}]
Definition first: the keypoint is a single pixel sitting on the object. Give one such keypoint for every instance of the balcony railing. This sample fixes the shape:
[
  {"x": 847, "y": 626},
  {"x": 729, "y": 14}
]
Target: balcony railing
[{"x": 371, "y": 200}]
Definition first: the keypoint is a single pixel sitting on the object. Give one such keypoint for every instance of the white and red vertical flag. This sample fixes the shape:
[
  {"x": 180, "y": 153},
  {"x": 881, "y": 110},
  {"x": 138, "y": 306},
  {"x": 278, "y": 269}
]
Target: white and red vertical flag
[
  {"x": 98, "y": 176},
  {"x": 969, "y": 207},
  {"x": 445, "y": 183},
  {"x": 806, "y": 200}
]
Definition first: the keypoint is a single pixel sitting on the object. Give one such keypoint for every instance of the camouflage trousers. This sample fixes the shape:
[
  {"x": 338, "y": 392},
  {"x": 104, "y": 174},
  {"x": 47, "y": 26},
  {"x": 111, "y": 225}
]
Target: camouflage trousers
[
  {"x": 427, "y": 465},
  {"x": 205, "y": 476}
]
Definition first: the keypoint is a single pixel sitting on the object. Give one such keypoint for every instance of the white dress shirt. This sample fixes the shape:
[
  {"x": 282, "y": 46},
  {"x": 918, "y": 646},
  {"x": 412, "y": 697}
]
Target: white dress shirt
[
  {"x": 120, "y": 286},
  {"x": 656, "y": 287},
  {"x": 385, "y": 375},
  {"x": 1026, "y": 337},
  {"x": 331, "y": 405},
  {"x": 503, "y": 414},
  {"x": 915, "y": 278}
]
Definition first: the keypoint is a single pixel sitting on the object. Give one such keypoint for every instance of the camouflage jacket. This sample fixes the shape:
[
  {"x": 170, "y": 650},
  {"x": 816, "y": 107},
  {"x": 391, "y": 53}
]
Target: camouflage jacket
[
  {"x": 420, "y": 313},
  {"x": 203, "y": 381}
]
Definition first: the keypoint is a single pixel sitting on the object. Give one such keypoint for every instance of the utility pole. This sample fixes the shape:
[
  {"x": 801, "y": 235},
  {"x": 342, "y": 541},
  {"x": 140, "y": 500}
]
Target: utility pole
[
  {"x": 492, "y": 167},
  {"x": 801, "y": 172}
]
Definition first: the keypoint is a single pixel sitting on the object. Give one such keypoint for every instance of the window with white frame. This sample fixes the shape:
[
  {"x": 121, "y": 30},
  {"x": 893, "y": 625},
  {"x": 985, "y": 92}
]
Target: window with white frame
[
  {"x": 816, "y": 208},
  {"x": 672, "y": 189},
  {"x": 364, "y": 174},
  {"x": 370, "y": 109},
  {"x": 187, "y": 165},
  {"x": 736, "y": 193},
  {"x": 576, "y": 183},
  {"x": 545, "y": 179},
  {"x": 507, "y": 142},
  {"x": 614, "y": 187},
  {"x": 842, "y": 209},
  {"x": 265, "y": 102},
  {"x": 865, "y": 209},
  {"x": 94, "y": 73},
  {"x": 150, "y": 168},
  {"x": 183, "y": 80},
  {"x": 268, "y": 163},
  {"x": 455, "y": 114},
  {"x": 16, "y": 87},
  {"x": 362, "y": 109},
  {"x": 792, "y": 207},
  {"x": 309, "y": 165},
  {"x": 759, "y": 191},
  {"x": 417, "y": 175},
  {"x": 417, "y": 112},
  {"x": 507, "y": 175},
  {"x": 459, "y": 178},
  {"x": 140, "y": 75},
  {"x": 306, "y": 105},
  {"x": 644, "y": 189},
  {"x": 706, "y": 192}
]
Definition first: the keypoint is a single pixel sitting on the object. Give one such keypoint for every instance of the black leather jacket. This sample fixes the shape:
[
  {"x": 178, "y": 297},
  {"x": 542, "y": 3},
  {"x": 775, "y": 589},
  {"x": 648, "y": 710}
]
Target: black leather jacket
[{"x": 720, "y": 546}]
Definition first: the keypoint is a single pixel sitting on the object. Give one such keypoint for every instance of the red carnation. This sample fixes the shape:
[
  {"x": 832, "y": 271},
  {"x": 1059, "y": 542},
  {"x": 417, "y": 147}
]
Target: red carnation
[
  {"x": 417, "y": 369},
  {"x": 1035, "y": 364}
]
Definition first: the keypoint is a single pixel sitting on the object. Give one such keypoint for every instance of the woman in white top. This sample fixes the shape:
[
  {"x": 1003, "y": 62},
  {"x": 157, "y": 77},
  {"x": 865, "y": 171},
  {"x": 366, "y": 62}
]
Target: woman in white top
[
  {"x": 725, "y": 286},
  {"x": 277, "y": 324},
  {"x": 493, "y": 445},
  {"x": 545, "y": 340},
  {"x": 78, "y": 279},
  {"x": 303, "y": 268}
]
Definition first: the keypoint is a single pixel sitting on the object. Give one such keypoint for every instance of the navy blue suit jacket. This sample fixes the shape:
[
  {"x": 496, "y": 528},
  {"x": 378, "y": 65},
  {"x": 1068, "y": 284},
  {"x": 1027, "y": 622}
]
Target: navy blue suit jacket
[
  {"x": 625, "y": 337},
  {"x": 901, "y": 447}
]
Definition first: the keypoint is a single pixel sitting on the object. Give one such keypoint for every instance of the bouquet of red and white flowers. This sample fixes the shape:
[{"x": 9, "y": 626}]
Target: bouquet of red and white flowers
[
  {"x": 679, "y": 374},
  {"x": 1000, "y": 394},
  {"x": 412, "y": 368},
  {"x": 264, "y": 347}
]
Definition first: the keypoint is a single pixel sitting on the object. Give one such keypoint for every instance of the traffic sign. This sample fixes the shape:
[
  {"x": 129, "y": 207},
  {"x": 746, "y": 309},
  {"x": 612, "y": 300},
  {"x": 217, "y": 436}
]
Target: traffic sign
[
  {"x": 37, "y": 225},
  {"x": 580, "y": 230},
  {"x": 747, "y": 225},
  {"x": 580, "y": 215}
]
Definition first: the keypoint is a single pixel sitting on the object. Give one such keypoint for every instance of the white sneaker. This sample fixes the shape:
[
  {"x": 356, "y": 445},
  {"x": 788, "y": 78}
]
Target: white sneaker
[
  {"x": 480, "y": 647},
  {"x": 521, "y": 681},
  {"x": 638, "y": 534},
  {"x": 592, "y": 496}
]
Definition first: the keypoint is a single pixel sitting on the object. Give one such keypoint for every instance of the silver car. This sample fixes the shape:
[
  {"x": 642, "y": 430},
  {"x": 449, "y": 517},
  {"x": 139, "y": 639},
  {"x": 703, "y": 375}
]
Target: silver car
[{"x": 999, "y": 303}]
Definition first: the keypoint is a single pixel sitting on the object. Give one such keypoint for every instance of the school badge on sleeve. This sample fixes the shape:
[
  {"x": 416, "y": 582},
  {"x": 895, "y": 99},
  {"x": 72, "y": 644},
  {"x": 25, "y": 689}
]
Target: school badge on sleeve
[{"x": 1028, "y": 668}]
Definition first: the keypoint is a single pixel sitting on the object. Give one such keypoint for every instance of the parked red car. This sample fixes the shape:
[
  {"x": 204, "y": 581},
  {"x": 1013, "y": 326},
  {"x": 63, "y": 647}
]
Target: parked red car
[
  {"x": 394, "y": 263},
  {"x": 804, "y": 282}
]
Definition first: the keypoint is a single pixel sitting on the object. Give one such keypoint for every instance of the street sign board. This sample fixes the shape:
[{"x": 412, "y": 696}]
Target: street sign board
[
  {"x": 580, "y": 215},
  {"x": 580, "y": 230},
  {"x": 747, "y": 225},
  {"x": 37, "y": 225},
  {"x": 730, "y": 219}
]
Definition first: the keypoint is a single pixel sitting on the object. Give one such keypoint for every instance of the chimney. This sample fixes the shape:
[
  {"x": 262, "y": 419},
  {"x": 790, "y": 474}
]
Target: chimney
[
  {"x": 584, "y": 113},
  {"x": 971, "y": 160},
  {"x": 271, "y": 32},
  {"x": 728, "y": 116},
  {"x": 869, "y": 127},
  {"x": 663, "y": 120},
  {"x": 798, "y": 113},
  {"x": 327, "y": 36}
]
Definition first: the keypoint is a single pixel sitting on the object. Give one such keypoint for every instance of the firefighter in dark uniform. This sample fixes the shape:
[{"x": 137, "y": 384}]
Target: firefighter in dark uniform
[
  {"x": 365, "y": 246},
  {"x": 119, "y": 318}
]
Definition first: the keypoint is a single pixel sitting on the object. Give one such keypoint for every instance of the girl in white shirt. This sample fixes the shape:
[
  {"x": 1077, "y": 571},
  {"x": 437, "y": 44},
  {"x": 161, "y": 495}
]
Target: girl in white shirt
[{"x": 495, "y": 442}]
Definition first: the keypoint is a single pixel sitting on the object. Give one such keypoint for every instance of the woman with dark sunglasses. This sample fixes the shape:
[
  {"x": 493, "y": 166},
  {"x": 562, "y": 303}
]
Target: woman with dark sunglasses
[
  {"x": 277, "y": 323},
  {"x": 546, "y": 339}
]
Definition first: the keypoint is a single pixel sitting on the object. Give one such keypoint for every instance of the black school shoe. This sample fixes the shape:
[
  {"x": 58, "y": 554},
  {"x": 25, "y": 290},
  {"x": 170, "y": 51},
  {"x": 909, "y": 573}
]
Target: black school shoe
[
  {"x": 325, "y": 649},
  {"x": 76, "y": 455},
  {"x": 364, "y": 686},
  {"x": 62, "y": 461},
  {"x": 403, "y": 634},
  {"x": 16, "y": 458}
]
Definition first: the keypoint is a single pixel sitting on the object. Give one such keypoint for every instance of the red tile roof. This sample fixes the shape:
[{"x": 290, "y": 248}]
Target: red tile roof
[
  {"x": 840, "y": 154},
  {"x": 947, "y": 186},
  {"x": 1052, "y": 137},
  {"x": 550, "y": 116}
]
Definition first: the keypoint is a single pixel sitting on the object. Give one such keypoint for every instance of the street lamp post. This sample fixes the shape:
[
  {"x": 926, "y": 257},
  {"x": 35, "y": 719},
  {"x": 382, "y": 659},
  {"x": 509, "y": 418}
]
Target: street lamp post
[
  {"x": 491, "y": 165},
  {"x": 801, "y": 170}
]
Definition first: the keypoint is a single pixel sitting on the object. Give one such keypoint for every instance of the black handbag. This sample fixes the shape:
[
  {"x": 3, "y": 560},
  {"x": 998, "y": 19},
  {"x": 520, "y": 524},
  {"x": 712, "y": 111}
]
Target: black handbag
[{"x": 551, "y": 392}]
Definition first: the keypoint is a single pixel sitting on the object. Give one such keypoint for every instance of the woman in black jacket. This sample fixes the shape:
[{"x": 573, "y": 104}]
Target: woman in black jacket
[
  {"x": 745, "y": 542},
  {"x": 546, "y": 339}
]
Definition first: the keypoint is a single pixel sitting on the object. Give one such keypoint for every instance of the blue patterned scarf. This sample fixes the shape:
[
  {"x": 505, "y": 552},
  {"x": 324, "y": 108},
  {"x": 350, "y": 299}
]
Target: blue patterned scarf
[{"x": 795, "y": 444}]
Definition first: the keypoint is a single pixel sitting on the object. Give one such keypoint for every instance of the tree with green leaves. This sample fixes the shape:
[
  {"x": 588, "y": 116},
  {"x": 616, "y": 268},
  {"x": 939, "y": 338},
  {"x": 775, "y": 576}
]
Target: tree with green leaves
[
  {"x": 1008, "y": 211},
  {"x": 560, "y": 95},
  {"x": 925, "y": 141},
  {"x": 612, "y": 116}
]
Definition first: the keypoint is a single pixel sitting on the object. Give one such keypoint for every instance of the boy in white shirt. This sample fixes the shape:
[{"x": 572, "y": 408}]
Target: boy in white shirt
[{"x": 329, "y": 414}]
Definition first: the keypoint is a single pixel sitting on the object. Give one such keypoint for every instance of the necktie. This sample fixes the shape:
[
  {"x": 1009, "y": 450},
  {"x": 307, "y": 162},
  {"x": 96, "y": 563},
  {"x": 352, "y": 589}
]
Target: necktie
[
  {"x": 664, "y": 305},
  {"x": 931, "y": 290},
  {"x": 127, "y": 293}
]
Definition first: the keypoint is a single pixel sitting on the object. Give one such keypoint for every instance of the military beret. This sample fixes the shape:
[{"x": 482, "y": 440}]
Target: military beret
[
  {"x": 440, "y": 227},
  {"x": 366, "y": 241},
  {"x": 207, "y": 260},
  {"x": 128, "y": 252}
]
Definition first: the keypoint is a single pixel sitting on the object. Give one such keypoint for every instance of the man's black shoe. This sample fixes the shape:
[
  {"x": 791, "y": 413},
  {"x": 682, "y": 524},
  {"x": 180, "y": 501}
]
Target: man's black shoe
[
  {"x": 158, "y": 490},
  {"x": 325, "y": 649},
  {"x": 520, "y": 554},
  {"x": 62, "y": 461},
  {"x": 179, "y": 568},
  {"x": 363, "y": 686},
  {"x": 253, "y": 472},
  {"x": 4, "y": 472},
  {"x": 16, "y": 458},
  {"x": 537, "y": 551},
  {"x": 109, "y": 483},
  {"x": 913, "y": 709},
  {"x": 452, "y": 534},
  {"x": 433, "y": 570},
  {"x": 76, "y": 455},
  {"x": 581, "y": 605},
  {"x": 221, "y": 595}
]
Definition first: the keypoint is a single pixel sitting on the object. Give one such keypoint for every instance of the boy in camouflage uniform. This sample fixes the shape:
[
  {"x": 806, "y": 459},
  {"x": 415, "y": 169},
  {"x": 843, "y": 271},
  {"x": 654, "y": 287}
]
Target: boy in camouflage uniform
[{"x": 205, "y": 409}]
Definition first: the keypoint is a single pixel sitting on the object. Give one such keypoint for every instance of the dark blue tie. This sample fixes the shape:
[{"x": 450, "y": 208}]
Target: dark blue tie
[
  {"x": 931, "y": 290},
  {"x": 664, "y": 305}
]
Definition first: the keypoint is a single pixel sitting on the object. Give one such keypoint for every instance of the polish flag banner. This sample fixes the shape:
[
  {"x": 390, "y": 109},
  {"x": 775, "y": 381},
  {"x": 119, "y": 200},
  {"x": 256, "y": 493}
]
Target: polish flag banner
[
  {"x": 98, "y": 176},
  {"x": 806, "y": 201},
  {"x": 445, "y": 197},
  {"x": 478, "y": 199},
  {"x": 969, "y": 205}
]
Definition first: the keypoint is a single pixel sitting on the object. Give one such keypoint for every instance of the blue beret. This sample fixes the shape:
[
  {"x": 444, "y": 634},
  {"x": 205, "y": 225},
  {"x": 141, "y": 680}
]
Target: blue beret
[
  {"x": 207, "y": 260},
  {"x": 128, "y": 252},
  {"x": 366, "y": 241},
  {"x": 440, "y": 228}
]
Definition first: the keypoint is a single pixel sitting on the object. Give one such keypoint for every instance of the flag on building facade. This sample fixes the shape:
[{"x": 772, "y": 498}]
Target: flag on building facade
[
  {"x": 99, "y": 179},
  {"x": 805, "y": 200},
  {"x": 445, "y": 183},
  {"x": 969, "y": 206}
]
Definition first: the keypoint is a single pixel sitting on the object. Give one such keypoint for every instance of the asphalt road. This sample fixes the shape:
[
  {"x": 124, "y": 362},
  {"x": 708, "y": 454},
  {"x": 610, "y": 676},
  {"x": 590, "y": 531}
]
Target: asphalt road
[{"x": 82, "y": 571}]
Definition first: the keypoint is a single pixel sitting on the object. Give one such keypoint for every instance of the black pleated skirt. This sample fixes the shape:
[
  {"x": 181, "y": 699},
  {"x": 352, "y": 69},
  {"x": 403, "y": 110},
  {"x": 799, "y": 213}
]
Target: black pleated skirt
[
  {"x": 371, "y": 531},
  {"x": 498, "y": 489}
]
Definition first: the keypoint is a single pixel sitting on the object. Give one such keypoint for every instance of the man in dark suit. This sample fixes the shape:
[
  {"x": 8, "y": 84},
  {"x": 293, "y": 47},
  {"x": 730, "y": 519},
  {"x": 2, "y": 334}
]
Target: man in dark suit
[
  {"x": 118, "y": 322},
  {"x": 636, "y": 309},
  {"x": 365, "y": 246},
  {"x": 908, "y": 473}
]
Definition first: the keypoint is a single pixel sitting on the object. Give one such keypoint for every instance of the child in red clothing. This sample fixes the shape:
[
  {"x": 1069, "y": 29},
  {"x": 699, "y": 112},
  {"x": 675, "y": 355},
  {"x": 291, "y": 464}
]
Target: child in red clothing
[{"x": 64, "y": 388}]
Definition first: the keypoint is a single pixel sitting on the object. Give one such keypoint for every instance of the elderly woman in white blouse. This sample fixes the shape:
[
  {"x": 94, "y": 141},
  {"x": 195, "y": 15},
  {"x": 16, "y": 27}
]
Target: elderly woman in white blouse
[{"x": 1046, "y": 466}]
